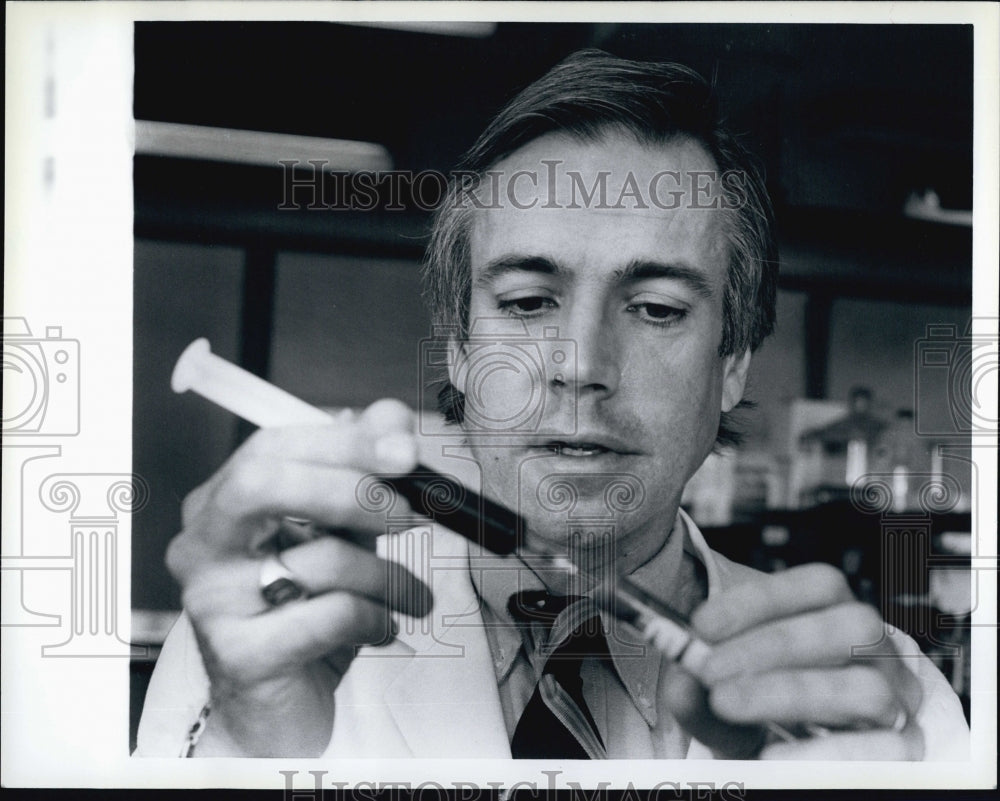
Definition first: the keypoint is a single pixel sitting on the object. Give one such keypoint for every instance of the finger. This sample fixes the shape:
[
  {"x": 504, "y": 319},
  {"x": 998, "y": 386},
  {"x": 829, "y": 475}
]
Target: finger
[
  {"x": 687, "y": 701},
  {"x": 231, "y": 588},
  {"x": 790, "y": 592},
  {"x": 908, "y": 687},
  {"x": 870, "y": 745},
  {"x": 827, "y": 637},
  {"x": 329, "y": 564},
  {"x": 221, "y": 589},
  {"x": 340, "y": 658},
  {"x": 356, "y": 444},
  {"x": 270, "y": 475},
  {"x": 246, "y": 508},
  {"x": 841, "y": 697},
  {"x": 294, "y": 531},
  {"x": 251, "y": 650}
]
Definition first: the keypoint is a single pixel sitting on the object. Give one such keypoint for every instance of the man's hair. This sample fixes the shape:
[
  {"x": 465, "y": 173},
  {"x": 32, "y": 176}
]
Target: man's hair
[{"x": 589, "y": 95}]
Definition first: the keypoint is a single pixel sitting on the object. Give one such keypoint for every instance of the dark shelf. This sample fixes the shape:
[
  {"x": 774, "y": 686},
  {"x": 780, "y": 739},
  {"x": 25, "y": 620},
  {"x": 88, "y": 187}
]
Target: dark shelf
[
  {"x": 823, "y": 533},
  {"x": 211, "y": 203},
  {"x": 841, "y": 253}
]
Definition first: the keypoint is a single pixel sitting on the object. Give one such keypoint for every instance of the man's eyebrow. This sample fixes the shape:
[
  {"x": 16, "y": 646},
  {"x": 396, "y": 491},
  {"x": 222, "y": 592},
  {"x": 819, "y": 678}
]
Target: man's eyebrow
[
  {"x": 642, "y": 269},
  {"x": 518, "y": 264}
]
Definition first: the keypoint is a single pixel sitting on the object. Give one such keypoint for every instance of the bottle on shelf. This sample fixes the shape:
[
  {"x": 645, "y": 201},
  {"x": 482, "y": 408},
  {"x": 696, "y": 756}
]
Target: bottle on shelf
[
  {"x": 904, "y": 456},
  {"x": 843, "y": 450}
]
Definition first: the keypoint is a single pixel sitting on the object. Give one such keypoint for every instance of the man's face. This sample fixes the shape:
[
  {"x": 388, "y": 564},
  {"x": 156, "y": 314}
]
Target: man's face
[{"x": 635, "y": 293}]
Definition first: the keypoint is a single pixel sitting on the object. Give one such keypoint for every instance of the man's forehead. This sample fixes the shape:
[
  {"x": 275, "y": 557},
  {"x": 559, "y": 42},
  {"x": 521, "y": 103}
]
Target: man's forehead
[
  {"x": 659, "y": 196},
  {"x": 562, "y": 168}
]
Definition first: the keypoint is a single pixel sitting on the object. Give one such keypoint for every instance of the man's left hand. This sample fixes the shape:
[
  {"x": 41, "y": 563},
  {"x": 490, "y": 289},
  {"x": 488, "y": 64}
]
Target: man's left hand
[{"x": 782, "y": 653}]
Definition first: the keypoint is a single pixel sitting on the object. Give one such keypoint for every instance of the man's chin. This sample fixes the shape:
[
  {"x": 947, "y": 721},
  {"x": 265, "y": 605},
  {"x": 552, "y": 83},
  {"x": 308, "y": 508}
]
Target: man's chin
[
  {"x": 592, "y": 545},
  {"x": 570, "y": 490},
  {"x": 582, "y": 532}
]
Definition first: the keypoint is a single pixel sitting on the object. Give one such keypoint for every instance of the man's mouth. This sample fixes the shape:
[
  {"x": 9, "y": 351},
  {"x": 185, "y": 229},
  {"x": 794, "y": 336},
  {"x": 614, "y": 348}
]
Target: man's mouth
[
  {"x": 582, "y": 448},
  {"x": 578, "y": 449}
]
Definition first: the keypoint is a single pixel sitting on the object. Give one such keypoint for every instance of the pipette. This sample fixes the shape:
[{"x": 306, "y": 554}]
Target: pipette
[{"x": 476, "y": 518}]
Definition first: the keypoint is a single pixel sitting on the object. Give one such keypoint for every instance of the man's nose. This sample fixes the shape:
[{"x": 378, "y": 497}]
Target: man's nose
[{"x": 593, "y": 359}]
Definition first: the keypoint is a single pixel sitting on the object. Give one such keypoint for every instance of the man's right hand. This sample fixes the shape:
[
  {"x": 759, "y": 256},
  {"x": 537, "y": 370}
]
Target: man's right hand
[{"x": 273, "y": 670}]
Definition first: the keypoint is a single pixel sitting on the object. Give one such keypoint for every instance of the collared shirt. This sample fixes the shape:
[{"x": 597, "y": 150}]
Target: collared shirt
[{"x": 621, "y": 693}]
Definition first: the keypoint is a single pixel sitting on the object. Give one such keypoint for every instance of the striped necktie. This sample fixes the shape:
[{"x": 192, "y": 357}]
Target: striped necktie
[{"x": 556, "y": 722}]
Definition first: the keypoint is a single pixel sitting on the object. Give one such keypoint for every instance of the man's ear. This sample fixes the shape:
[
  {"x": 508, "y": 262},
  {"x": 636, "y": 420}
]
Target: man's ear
[{"x": 734, "y": 379}]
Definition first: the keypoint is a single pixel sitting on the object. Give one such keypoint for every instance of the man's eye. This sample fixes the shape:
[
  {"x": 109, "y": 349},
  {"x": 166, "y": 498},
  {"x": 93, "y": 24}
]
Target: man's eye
[
  {"x": 534, "y": 304},
  {"x": 658, "y": 313}
]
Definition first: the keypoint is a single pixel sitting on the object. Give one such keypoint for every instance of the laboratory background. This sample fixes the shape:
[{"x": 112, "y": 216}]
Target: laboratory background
[{"x": 857, "y": 452}]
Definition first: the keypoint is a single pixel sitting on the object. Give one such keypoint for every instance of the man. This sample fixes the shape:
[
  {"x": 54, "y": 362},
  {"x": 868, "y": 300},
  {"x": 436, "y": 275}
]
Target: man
[{"x": 606, "y": 210}]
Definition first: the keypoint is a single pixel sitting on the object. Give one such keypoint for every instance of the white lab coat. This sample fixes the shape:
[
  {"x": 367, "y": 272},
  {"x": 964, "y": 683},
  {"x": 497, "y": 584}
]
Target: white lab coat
[{"x": 432, "y": 693}]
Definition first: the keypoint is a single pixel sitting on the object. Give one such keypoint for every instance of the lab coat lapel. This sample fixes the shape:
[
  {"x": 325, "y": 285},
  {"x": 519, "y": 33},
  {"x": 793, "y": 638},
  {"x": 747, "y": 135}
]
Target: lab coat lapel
[{"x": 445, "y": 700}]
